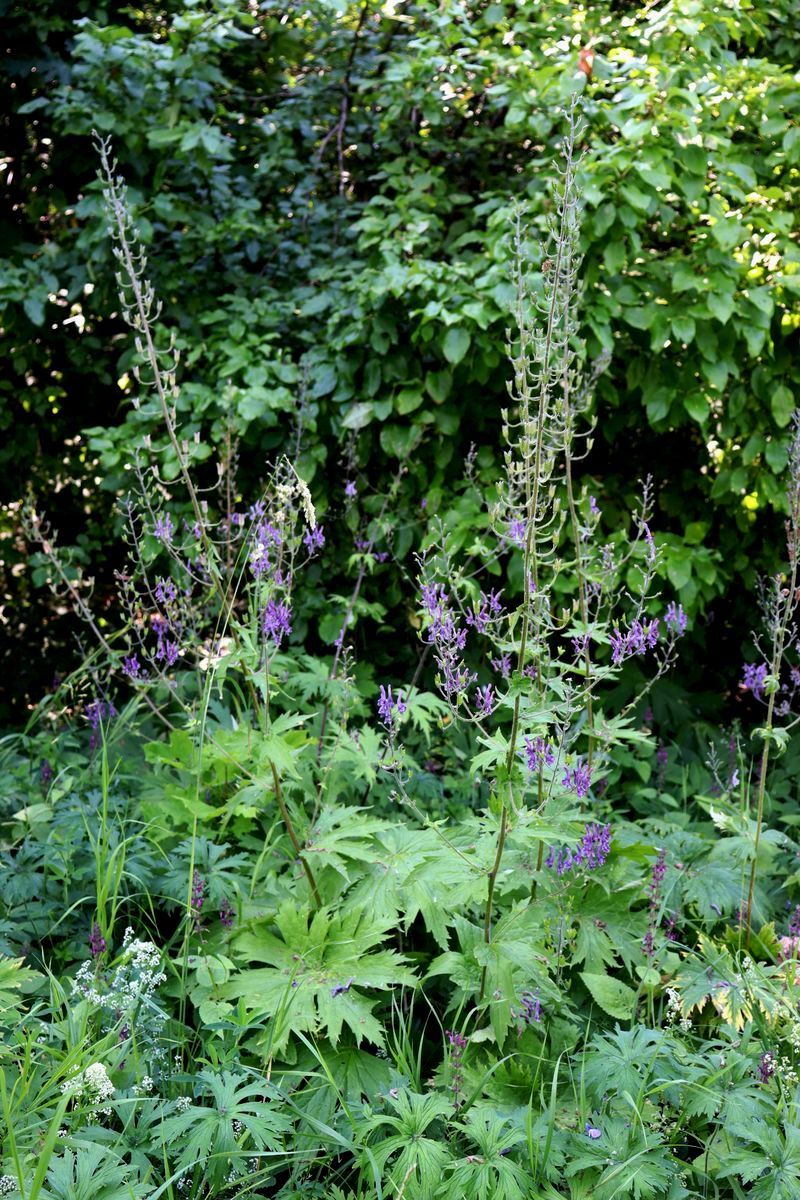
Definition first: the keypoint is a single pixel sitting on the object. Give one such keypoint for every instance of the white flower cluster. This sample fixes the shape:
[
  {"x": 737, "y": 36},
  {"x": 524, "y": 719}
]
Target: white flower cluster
[
  {"x": 675, "y": 1011},
  {"x": 145, "y": 1087},
  {"x": 136, "y": 976},
  {"x": 93, "y": 1085},
  {"x": 7, "y": 1184},
  {"x": 182, "y": 1104}
]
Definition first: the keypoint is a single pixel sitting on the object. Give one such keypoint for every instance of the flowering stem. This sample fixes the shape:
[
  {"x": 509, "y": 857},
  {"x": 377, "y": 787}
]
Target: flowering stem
[
  {"x": 533, "y": 481},
  {"x": 582, "y": 602},
  {"x": 778, "y": 640},
  {"x": 487, "y": 920},
  {"x": 287, "y": 820}
]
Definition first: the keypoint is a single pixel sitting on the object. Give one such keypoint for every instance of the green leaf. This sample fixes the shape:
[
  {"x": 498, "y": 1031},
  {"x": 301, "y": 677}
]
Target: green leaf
[
  {"x": 614, "y": 997},
  {"x": 782, "y": 405},
  {"x": 456, "y": 344},
  {"x": 696, "y": 406},
  {"x": 721, "y": 305}
]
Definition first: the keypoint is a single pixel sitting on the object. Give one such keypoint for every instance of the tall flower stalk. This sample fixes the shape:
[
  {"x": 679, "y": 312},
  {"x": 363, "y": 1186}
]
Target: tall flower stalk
[
  {"x": 538, "y": 721},
  {"x": 780, "y": 603}
]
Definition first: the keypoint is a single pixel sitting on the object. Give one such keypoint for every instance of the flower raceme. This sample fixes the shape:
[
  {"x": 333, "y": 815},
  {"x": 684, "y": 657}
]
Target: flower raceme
[
  {"x": 591, "y": 853},
  {"x": 276, "y": 621},
  {"x": 390, "y": 707}
]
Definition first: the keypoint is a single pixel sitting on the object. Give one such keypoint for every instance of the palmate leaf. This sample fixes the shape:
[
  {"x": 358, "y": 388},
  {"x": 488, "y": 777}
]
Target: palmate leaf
[
  {"x": 622, "y": 1061},
  {"x": 92, "y": 1173},
  {"x": 607, "y": 927},
  {"x": 712, "y": 974},
  {"x": 629, "y": 1162},
  {"x": 341, "y": 836},
  {"x": 409, "y": 1138},
  {"x": 239, "y": 1118},
  {"x": 769, "y": 1156},
  {"x": 486, "y": 1173},
  {"x": 412, "y": 872},
  {"x": 319, "y": 966}
]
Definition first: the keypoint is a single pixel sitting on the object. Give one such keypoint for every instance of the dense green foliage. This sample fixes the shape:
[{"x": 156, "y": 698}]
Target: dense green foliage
[{"x": 325, "y": 191}]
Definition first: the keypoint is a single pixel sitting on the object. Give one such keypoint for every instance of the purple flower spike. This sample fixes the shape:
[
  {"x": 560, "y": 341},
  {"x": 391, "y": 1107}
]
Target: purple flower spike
[
  {"x": 276, "y": 621},
  {"x": 97, "y": 943},
  {"x": 164, "y": 529},
  {"x": 578, "y": 779},
  {"x": 132, "y": 667},
  {"x": 484, "y": 700},
  {"x": 227, "y": 913},
  {"x": 538, "y": 753},
  {"x": 350, "y": 489},
  {"x": 197, "y": 900},
  {"x": 390, "y": 707},
  {"x": 753, "y": 679},
  {"x": 591, "y": 853},
  {"x": 314, "y": 539},
  {"x": 516, "y": 532},
  {"x": 675, "y": 619}
]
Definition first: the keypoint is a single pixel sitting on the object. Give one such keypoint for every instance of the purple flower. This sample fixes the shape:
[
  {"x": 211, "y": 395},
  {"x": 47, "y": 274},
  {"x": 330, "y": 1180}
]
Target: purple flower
[
  {"x": 580, "y": 645},
  {"x": 458, "y": 1044},
  {"x": 350, "y": 489},
  {"x": 98, "y": 711},
  {"x": 167, "y": 651},
  {"x": 577, "y": 779},
  {"x": 132, "y": 668},
  {"x": 654, "y": 892},
  {"x": 662, "y": 755},
  {"x": 166, "y": 592},
  {"x": 675, "y": 619},
  {"x": 314, "y": 539},
  {"x": 97, "y": 943},
  {"x": 390, "y": 707},
  {"x": 45, "y": 772},
  {"x": 164, "y": 529},
  {"x": 593, "y": 507},
  {"x": 651, "y": 546},
  {"x": 265, "y": 537},
  {"x": 592, "y": 1131},
  {"x": 516, "y": 532},
  {"x": 591, "y": 853},
  {"x": 276, "y": 621},
  {"x": 754, "y": 677},
  {"x": 640, "y": 637},
  {"x": 197, "y": 900},
  {"x": 227, "y": 913},
  {"x": 502, "y": 665},
  {"x": 484, "y": 700},
  {"x": 342, "y": 988},
  {"x": 538, "y": 753},
  {"x": 794, "y": 922},
  {"x": 766, "y": 1067},
  {"x": 490, "y": 609},
  {"x": 530, "y": 1011}
]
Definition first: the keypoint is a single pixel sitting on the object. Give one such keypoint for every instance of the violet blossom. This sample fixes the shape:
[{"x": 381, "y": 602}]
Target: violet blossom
[
  {"x": 538, "y": 753},
  {"x": 389, "y": 706},
  {"x": 276, "y": 621},
  {"x": 591, "y": 853},
  {"x": 754, "y": 678},
  {"x": 578, "y": 779}
]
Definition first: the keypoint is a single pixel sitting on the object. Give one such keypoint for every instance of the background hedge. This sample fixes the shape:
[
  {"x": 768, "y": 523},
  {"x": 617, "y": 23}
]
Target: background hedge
[{"x": 325, "y": 189}]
